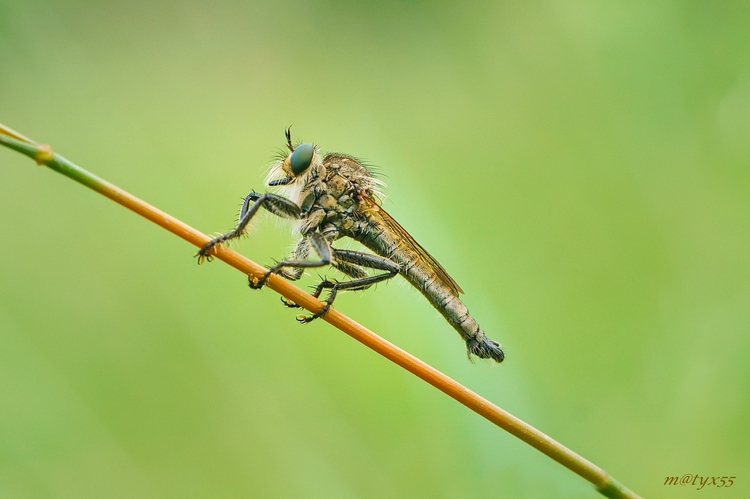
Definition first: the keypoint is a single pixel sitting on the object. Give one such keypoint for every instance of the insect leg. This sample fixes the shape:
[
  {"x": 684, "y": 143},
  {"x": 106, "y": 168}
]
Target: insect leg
[
  {"x": 321, "y": 247},
  {"x": 354, "y": 259},
  {"x": 368, "y": 260},
  {"x": 300, "y": 253},
  {"x": 353, "y": 271},
  {"x": 278, "y": 205}
]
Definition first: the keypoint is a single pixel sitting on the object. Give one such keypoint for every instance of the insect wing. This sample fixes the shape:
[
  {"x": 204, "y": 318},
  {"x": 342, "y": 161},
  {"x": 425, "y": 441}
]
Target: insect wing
[{"x": 428, "y": 260}]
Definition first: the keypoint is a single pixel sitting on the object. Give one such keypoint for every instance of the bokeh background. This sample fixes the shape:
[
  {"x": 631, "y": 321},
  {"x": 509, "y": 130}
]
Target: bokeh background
[{"x": 582, "y": 170}]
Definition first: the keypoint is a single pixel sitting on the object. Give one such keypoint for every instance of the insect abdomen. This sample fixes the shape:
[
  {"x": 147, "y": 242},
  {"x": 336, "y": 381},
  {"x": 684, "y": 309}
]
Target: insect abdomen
[{"x": 443, "y": 298}]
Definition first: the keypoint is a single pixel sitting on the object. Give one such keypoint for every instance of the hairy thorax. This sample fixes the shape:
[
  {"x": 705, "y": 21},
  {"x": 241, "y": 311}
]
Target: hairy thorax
[{"x": 332, "y": 198}]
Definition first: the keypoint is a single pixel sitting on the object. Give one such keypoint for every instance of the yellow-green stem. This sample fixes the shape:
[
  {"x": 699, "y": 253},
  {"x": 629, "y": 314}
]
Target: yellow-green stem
[{"x": 605, "y": 484}]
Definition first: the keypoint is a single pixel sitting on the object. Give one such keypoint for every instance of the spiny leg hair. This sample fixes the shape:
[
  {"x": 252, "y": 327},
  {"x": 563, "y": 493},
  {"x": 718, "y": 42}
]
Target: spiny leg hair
[
  {"x": 278, "y": 205},
  {"x": 318, "y": 243},
  {"x": 353, "y": 271},
  {"x": 355, "y": 259}
]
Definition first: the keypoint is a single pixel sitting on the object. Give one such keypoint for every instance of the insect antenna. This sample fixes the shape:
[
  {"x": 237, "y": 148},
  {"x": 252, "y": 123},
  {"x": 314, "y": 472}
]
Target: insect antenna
[{"x": 288, "y": 134}]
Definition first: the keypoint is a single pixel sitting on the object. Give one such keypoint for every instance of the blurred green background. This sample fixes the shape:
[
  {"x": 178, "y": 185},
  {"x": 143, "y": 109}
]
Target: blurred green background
[{"x": 582, "y": 169}]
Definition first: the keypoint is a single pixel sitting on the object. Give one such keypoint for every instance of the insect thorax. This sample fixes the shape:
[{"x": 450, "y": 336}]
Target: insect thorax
[{"x": 332, "y": 200}]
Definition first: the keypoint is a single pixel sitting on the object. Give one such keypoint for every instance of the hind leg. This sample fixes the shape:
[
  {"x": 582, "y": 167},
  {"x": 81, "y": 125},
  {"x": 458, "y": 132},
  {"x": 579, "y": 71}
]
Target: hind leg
[{"x": 351, "y": 262}]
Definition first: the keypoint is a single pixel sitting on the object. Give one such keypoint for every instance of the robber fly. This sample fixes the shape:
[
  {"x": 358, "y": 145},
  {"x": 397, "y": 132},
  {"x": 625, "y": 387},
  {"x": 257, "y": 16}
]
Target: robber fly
[{"x": 335, "y": 196}]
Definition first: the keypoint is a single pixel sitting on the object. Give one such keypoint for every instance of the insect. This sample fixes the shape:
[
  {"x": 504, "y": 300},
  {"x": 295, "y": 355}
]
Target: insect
[{"x": 335, "y": 196}]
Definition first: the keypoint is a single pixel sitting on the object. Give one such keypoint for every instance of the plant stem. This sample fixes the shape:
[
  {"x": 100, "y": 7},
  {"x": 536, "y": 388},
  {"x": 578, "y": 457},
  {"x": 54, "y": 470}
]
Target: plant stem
[{"x": 604, "y": 483}]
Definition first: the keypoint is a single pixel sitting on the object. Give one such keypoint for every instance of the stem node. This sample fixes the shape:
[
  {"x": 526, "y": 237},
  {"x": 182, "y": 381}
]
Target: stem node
[{"x": 44, "y": 154}]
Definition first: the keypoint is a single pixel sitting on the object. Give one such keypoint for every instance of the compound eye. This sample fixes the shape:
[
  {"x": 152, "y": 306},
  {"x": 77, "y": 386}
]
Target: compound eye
[{"x": 301, "y": 158}]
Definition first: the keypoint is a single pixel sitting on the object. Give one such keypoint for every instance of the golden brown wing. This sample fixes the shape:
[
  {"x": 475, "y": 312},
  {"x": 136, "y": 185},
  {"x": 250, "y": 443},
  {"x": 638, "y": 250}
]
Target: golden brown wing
[{"x": 428, "y": 259}]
